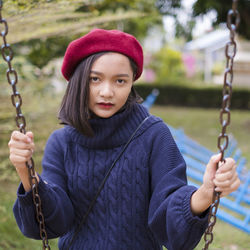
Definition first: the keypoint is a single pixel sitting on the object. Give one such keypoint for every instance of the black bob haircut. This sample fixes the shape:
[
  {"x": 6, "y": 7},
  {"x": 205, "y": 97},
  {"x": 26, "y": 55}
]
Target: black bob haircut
[{"x": 74, "y": 110}]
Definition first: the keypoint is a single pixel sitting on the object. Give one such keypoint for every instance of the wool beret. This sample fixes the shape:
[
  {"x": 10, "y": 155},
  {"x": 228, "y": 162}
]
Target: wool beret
[{"x": 99, "y": 40}]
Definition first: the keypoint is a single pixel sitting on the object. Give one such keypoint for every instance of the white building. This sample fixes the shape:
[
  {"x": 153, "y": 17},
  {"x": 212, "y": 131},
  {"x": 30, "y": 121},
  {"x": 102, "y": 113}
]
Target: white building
[{"x": 210, "y": 49}]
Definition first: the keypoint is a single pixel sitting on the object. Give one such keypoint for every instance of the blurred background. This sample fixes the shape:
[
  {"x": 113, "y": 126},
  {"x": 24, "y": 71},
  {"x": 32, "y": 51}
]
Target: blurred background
[{"x": 184, "y": 44}]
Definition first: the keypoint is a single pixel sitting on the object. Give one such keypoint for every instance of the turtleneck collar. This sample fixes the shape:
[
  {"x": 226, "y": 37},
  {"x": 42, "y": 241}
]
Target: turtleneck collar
[{"x": 111, "y": 132}]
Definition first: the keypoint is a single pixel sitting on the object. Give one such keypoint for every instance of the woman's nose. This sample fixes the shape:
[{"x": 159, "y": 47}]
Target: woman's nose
[{"x": 106, "y": 90}]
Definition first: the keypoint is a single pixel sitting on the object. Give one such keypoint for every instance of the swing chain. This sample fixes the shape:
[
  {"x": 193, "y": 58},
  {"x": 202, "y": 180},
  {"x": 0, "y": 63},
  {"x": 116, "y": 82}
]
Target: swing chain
[
  {"x": 233, "y": 20},
  {"x": 12, "y": 77}
]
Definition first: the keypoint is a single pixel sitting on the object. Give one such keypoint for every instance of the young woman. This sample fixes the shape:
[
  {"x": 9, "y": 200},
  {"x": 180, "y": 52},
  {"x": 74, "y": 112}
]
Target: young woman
[{"x": 145, "y": 202}]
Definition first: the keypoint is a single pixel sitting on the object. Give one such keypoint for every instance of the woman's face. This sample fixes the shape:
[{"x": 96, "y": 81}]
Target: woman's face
[{"x": 111, "y": 79}]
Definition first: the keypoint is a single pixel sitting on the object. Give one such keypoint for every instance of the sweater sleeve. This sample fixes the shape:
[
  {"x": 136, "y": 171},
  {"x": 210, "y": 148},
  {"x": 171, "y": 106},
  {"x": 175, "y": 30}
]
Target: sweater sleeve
[
  {"x": 170, "y": 217},
  {"x": 56, "y": 205}
]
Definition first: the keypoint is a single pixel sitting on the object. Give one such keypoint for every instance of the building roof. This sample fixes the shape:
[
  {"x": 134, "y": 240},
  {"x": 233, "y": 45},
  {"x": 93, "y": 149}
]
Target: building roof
[{"x": 210, "y": 41}]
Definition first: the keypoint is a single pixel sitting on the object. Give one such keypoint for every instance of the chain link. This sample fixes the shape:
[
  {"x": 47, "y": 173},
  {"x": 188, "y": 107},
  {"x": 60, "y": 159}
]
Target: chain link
[
  {"x": 233, "y": 20},
  {"x": 12, "y": 77}
]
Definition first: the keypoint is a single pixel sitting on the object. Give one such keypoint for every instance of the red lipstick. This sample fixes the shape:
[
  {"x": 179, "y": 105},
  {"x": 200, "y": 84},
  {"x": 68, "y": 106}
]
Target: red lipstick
[{"x": 105, "y": 105}]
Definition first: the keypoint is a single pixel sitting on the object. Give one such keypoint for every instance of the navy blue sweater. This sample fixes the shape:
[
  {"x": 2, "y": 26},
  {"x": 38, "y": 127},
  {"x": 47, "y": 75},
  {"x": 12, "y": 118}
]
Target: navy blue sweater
[{"x": 144, "y": 204}]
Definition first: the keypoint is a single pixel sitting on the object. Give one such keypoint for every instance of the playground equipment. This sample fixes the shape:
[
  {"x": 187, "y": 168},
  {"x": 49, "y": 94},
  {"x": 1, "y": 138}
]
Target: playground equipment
[
  {"x": 150, "y": 99},
  {"x": 234, "y": 210}
]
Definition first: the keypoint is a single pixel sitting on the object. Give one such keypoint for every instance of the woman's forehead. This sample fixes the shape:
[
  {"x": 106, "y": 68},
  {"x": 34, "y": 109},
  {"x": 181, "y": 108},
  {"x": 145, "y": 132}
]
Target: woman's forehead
[{"x": 112, "y": 61}]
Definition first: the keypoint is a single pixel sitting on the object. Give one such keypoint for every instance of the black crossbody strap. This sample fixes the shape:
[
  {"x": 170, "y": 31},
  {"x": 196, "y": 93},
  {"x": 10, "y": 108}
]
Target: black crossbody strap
[{"x": 103, "y": 182}]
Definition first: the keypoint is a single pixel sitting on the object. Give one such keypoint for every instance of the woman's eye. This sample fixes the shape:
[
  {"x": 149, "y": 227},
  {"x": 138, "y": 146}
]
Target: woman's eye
[
  {"x": 120, "y": 81},
  {"x": 94, "y": 79}
]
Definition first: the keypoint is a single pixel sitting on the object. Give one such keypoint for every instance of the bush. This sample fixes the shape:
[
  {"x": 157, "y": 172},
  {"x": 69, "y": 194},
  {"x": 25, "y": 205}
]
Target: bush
[
  {"x": 167, "y": 63},
  {"x": 24, "y": 69},
  {"x": 207, "y": 97}
]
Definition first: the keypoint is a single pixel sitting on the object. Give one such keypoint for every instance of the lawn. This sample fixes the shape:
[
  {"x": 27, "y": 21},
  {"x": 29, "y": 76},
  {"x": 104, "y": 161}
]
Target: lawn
[
  {"x": 202, "y": 125},
  {"x": 11, "y": 237}
]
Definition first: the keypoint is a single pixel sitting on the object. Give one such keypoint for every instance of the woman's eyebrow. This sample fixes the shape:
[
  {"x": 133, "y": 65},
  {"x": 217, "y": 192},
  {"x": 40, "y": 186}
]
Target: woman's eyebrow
[
  {"x": 96, "y": 72},
  {"x": 122, "y": 75},
  {"x": 100, "y": 73}
]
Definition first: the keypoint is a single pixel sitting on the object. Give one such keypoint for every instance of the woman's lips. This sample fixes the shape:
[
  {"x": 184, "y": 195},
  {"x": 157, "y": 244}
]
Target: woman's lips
[{"x": 105, "y": 105}]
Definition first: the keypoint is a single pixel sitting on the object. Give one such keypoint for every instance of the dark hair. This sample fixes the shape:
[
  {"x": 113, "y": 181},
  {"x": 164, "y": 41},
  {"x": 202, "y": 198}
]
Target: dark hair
[{"x": 74, "y": 108}]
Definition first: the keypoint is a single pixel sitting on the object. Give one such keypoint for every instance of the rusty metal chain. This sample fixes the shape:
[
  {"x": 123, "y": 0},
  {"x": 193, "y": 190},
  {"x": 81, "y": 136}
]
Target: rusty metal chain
[
  {"x": 233, "y": 20},
  {"x": 12, "y": 77}
]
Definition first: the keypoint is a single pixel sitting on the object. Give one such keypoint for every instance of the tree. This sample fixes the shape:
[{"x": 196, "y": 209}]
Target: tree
[
  {"x": 167, "y": 64},
  {"x": 146, "y": 16},
  {"x": 45, "y": 27},
  {"x": 221, "y": 7}
]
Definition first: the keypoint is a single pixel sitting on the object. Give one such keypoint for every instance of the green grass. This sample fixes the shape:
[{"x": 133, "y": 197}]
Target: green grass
[
  {"x": 203, "y": 125},
  {"x": 226, "y": 238},
  {"x": 11, "y": 237}
]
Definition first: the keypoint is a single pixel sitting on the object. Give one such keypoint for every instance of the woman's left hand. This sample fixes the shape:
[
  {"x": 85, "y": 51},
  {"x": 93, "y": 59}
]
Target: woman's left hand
[{"x": 225, "y": 179}]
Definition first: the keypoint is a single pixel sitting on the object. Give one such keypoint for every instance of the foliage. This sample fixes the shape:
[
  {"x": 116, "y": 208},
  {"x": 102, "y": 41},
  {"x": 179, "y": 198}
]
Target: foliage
[
  {"x": 140, "y": 26},
  {"x": 41, "y": 52},
  {"x": 39, "y": 107},
  {"x": 184, "y": 31},
  {"x": 202, "y": 7},
  {"x": 218, "y": 68},
  {"x": 207, "y": 97},
  {"x": 222, "y": 7},
  {"x": 145, "y": 6},
  {"x": 167, "y": 6},
  {"x": 137, "y": 26},
  {"x": 171, "y": 8},
  {"x": 46, "y": 27},
  {"x": 167, "y": 64},
  {"x": 23, "y": 67},
  {"x": 24, "y": 5},
  {"x": 69, "y": 17}
]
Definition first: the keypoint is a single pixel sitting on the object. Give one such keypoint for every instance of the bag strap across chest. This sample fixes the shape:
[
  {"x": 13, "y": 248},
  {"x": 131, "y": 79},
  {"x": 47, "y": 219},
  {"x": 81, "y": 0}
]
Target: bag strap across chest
[{"x": 103, "y": 183}]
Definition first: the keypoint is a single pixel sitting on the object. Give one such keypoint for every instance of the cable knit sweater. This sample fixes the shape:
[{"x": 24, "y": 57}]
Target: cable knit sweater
[{"x": 144, "y": 204}]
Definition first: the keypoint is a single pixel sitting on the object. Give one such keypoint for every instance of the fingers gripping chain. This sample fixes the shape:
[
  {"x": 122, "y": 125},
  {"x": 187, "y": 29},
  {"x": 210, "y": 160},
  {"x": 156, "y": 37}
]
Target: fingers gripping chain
[
  {"x": 12, "y": 77},
  {"x": 233, "y": 20}
]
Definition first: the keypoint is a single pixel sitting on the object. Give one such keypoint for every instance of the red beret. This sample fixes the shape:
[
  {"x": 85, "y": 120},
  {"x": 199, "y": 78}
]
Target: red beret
[{"x": 99, "y": 40}]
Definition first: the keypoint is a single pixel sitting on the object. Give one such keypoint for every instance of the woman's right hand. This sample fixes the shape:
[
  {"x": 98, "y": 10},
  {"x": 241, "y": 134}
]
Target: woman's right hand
[{"x": 21, "y": 148}]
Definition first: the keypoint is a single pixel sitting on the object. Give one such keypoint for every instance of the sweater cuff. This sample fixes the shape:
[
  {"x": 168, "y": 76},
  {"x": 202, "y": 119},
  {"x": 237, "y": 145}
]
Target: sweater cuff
[
  {"x": 25, "y": 198},
  {"x": 188, "y": 215}
]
